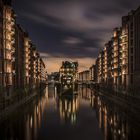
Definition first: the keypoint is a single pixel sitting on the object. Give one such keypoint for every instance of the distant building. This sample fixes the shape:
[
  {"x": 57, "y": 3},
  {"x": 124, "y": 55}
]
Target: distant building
[
  {"x": 108, "y": 60},
  {"x": 33, "y": 66},
  {"x": 68, "y": 72},
  {"x": 43, "y": 72},
  {"x": 93, "y": 73},
  {"x": 55, "y": 76},
  {"x": 100, "y": 64},
  {"x": 84, "y": 76},
  {"x": 37, "y": 71}
]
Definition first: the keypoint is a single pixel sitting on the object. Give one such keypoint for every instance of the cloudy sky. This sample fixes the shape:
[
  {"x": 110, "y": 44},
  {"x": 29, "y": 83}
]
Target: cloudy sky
[{"x": 71, "y": 29}]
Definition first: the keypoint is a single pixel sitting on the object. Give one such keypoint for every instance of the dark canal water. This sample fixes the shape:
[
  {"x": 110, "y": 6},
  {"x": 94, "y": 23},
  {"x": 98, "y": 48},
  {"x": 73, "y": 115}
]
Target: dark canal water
[{"x": 83, "y": 116}]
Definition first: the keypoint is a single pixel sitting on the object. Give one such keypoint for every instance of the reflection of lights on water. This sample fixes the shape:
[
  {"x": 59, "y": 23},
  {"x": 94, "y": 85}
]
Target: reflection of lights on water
[
  {"x": 77, "y": 104},
  {"x": 100, "y": 117},
  {"x": 31, "y": 122},
  {"x": 62, "y": 114},
  {"x": 46, "y": 93},
  {"x": 37, "y": 110},
  {"x": 111, "y": 121},
  {"x": 40, "y": 103},
  {"x": 55, "y": 90},
  {"x": 73, "y": 118},
  {"x": 123, "y": 135},
  {"x": 105, "y": 110},
  {"x": 68, "y": 114},
  {"x": 99, "y": 101},
  {"x": 115, "y": 124},
  {"x": 119, "y": 131},
  {"x": 73, "y": 107},
  {"x": 69, "y": 109},
  {"x": 65, "y": 105}
]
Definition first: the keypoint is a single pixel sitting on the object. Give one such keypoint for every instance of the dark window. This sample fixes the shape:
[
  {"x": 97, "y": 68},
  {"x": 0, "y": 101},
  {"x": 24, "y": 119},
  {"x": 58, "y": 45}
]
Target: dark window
[
  {"x": 131, "y": 34},
  {"x": 131, "y": 58},
  {"x": 131, "y": 42},
  {"x": 132, "y": 50},
  {"x": 131, "y": 79},
  {"x": 131, "y": 25},
  {"x": 132, "y": 68}
]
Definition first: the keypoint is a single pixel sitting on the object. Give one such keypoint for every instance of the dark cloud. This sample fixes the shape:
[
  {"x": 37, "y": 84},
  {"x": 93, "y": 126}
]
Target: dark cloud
[{"x": 73, "y": 28}]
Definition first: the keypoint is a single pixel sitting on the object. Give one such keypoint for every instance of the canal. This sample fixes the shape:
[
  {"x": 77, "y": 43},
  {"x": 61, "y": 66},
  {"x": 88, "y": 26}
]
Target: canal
[{"x": 82, "y": 116}]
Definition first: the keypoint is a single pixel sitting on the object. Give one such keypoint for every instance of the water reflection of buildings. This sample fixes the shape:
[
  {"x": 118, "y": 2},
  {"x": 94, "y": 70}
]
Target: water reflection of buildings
[
  {"x": 33, "y": 119},
  {"x": 68, "y": 106},
  {"x": 84, "y": 92},
  {"x": 25, "y": 124},
  {"x": 114, "y": 122}
]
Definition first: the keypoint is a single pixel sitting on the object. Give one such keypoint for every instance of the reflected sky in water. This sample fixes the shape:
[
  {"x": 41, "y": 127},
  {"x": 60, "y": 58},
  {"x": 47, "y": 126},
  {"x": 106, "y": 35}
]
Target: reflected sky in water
[{"x": 83, "y": 116}]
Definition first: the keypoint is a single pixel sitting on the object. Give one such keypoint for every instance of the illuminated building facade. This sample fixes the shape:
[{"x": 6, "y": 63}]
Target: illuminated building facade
[
  {"x": 112, "y": 61},
  {"x": 97, "y": 69},
  {"x": 37, "y": 71},
  {"x": 42, "y": 71},
  {"x": 93, "y": 73},
  {"x": 118, "y": 64},
  {"x": 22, "y": 57},
  {"x": 33, "y": 65},
  {"x": 105, "y": 66},
  {"x": 17, "y": 58},
  {"x": 116, "y": 57},
  {"x": 1, "y": 45},
  {"x": 109, "y": 63},
  {"x": 26, "y": 59},
  {"x": 19, "y": 51},
  {"x": 124, "y": 53},
  {"x": 131, "y": 60},
  {"x": 68, "y": 72},
  {"x": 100, "y": 67},
  {"x": 8, "y": 47}
]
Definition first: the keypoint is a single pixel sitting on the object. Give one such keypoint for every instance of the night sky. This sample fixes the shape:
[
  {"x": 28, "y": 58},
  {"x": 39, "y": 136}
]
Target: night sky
[{"x": 71, "y": 29}]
